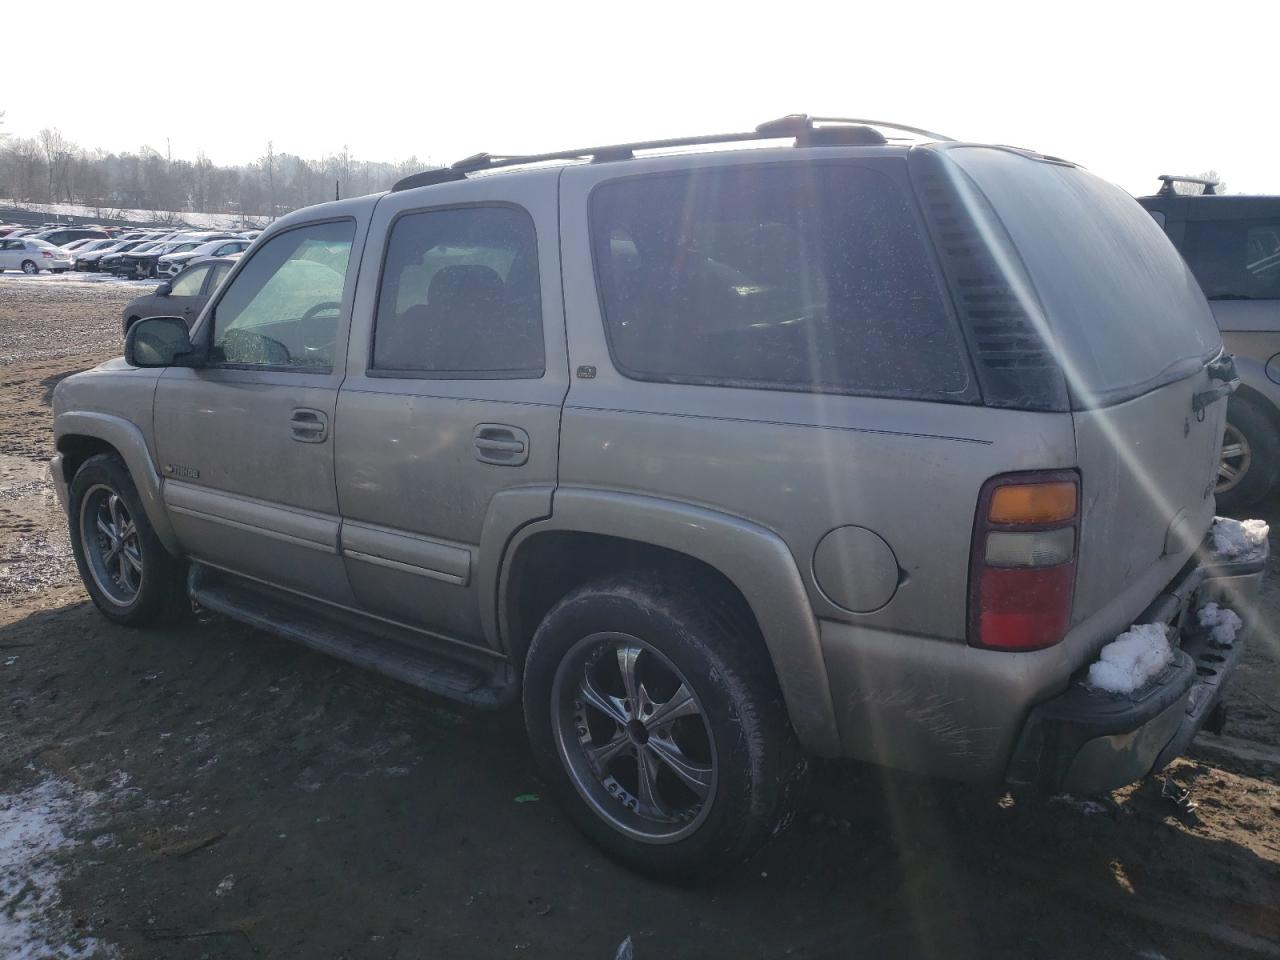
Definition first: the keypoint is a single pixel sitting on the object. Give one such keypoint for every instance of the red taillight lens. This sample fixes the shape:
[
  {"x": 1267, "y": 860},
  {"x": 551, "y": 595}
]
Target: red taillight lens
[
  {"x": 1023, "y": 569},
  {"x": 47, "y": 254}
]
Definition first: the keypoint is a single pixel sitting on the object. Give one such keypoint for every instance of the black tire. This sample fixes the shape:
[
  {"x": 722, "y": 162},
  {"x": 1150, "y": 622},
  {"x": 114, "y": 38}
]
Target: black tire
[
  {"x": 30, "y": 267},
  {"x": 1252, "y": 430},
  {"x": 757, "y": 767},
  {"x": 160, "y": 595}
]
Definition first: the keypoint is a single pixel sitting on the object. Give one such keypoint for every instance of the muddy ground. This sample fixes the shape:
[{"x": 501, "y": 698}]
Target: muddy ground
[{"x": 210, "y": 791}]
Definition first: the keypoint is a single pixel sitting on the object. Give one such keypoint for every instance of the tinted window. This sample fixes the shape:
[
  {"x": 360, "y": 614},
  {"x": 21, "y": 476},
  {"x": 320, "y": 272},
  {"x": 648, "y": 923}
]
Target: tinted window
[
  {"x": 460, "y": 295},
  {"x": 1235, "y": 259},
  {"x": 1123, "y": 310},
  {"x": 810, "y": 277},
  {"x": 189, "y": 283},
  {"x": 282, "y": 309}
]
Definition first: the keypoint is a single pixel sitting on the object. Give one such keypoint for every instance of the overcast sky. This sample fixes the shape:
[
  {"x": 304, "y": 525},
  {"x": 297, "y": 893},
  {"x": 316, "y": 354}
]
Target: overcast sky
[{"x": 1130, "y": 90}]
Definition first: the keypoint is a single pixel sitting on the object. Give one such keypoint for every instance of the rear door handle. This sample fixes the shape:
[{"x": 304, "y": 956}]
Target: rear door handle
[
  {"x": 309, "y": 426},
  {"x": 500, "y": 444}
]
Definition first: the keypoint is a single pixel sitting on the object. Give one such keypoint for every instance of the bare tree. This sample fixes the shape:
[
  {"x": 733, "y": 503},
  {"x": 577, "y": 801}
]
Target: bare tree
[
  {"x": 1195, "y": 188},
  {"x": 25, "y": 164},
  {"x": 268, "y": 161},
  {"x": 57, "y": 154}
]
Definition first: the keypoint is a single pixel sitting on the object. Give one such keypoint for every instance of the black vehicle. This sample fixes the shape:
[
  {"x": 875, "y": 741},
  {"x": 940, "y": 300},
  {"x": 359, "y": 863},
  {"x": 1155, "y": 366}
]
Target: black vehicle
[
  {"x": 1232, "y": 245},
  {"x": 184, "y": 297},
  {"x": 93, "y": 260},
  {"x": 140, "y": 262},
  {"x": 67, "y": 234}
]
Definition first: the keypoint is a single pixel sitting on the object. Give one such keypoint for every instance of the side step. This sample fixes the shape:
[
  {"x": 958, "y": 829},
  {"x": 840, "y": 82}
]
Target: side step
[{"x": 348, "y": 636}]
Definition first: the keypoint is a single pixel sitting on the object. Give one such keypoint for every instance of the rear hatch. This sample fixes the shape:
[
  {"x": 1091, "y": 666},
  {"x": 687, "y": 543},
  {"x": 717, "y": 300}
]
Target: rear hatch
[{"x": 1132, "y": 334}]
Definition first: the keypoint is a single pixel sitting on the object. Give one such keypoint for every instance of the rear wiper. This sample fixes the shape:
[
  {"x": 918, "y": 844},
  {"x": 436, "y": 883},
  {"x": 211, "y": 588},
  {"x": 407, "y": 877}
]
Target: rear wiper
[{"x": 1231, "y": 296}]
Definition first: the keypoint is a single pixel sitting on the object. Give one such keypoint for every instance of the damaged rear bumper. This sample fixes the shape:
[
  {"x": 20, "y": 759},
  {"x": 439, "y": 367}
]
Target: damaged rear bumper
[{"x": 1088, "y": 741}]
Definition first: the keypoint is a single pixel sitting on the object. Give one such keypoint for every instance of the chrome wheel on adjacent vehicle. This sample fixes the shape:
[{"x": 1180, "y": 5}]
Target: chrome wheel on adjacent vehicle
[
  {"x": 634, "y": 737},
  {"x": 1237, "y": 457},
  {"x": 112, "y": 550}
]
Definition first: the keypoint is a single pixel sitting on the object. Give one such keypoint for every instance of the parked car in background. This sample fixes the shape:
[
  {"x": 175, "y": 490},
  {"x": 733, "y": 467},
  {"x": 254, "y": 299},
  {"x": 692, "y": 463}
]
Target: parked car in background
[
  {"x": 71, "y": 246},
  {"x": 106, "y": 258},
  {"x": 140, "y": 263},
  {"x": 716, "y": 461},
  {"x": 171, "y": 264},
  {"x": 1232, "y": 245},
  {"x": 31, "y": 255},
  {"x": 62, "y": 235},
  {"x": 184, "y": 296}
]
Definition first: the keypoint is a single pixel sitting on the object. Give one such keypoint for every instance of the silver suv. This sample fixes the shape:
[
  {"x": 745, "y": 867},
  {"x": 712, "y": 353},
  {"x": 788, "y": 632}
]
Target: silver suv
[
  {"x": 1232, "y": 244},
  {"x": 719, "y": 459}
]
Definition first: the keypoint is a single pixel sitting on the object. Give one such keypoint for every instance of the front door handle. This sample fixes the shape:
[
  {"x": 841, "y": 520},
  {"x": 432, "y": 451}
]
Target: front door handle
[
  {"x": 500, "y": 444},
  {"x": 309, "y": 426}
]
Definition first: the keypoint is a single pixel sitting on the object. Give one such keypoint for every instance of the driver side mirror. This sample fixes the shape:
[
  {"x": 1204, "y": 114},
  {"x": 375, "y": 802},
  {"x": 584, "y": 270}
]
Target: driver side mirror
[
  {"x": 161, "y": 342},
  {"x": 164, "y": 289}
]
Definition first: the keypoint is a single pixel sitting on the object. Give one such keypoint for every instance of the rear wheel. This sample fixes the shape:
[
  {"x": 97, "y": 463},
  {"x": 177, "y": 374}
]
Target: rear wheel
[
  {"x": 30, "y": 267},
  {"x": 1250, "y": 456},
  {"x": 651, "y": 715},
  {"x": 126, "y": 570}
]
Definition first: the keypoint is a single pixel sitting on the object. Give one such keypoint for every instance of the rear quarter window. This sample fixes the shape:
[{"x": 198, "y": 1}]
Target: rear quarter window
[
  {"x": 1125, "y": 315},
  {"x": 795, "y": 276}
]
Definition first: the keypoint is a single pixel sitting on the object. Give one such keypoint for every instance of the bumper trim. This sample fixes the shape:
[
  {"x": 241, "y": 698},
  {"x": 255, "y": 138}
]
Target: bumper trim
[{"x": 1087, "y": 741}]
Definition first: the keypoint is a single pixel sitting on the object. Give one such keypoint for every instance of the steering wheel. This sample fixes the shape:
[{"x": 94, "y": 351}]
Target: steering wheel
[
  {"x": 319, "y": 351},
  {"x": 318, "y": 308}
]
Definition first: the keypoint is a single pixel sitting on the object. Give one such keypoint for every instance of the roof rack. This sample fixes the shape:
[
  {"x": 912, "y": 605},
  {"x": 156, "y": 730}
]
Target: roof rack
[
  {"x": 1167, "y": 190},
  {"x": 807, "y": 131}
]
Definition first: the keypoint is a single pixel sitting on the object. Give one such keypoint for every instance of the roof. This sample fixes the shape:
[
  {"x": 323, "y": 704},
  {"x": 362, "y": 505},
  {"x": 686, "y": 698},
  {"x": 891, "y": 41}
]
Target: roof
[{"x": 802, "y": 129}]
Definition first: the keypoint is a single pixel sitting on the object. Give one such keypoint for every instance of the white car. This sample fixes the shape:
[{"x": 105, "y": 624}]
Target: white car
[
  {"x": 31, "y": 256},
  {"x": 172, "y": 264}
]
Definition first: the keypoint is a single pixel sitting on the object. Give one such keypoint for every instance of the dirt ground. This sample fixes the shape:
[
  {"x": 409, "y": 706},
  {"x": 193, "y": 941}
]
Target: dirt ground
[{"x": 210, "y": 791}]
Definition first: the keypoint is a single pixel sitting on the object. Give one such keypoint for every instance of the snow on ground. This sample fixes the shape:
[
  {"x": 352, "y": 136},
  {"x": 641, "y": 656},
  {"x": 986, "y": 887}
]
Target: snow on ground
[
  {"x": 217, "y": 221},
  {"x": 1131, "y": 659},
  {"x": 1233, "y": 538},
  {"x": 1223, "y": 623},
  {"x": 36, "y": 826}
]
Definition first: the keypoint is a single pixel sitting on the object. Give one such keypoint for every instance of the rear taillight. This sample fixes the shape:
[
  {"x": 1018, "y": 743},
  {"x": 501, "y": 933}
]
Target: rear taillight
[
  {"x": 47, "y": 254},
  {"x": 1022, "y": 574}
]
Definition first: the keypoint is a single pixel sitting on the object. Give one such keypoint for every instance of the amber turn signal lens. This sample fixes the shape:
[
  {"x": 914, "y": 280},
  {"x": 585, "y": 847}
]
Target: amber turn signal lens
[{"x": 1033, "y": 502}]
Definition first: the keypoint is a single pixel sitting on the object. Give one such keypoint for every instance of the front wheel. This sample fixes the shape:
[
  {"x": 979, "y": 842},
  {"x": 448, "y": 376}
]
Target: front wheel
[
  {"x": 660, "y": 727},
  {"x": 30, "y": 267},
  {"x": 126, "y": 570}
]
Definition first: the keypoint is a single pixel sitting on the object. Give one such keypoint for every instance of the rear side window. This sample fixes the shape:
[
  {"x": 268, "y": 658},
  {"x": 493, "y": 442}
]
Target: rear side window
[
  {"x": 460, "y": 296},
  {"x": 1235, "y": 259},
  {"x": 810, "y": 277}
]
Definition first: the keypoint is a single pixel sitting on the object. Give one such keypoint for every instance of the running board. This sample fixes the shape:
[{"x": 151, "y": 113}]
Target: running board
[{"x": 351, "y": 637}]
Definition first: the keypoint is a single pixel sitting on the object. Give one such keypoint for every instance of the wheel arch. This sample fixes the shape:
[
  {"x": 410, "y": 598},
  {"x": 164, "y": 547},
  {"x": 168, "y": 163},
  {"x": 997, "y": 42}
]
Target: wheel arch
[
  {"x": 593, "y": 533},
  {"x": 81, "y": 435}
]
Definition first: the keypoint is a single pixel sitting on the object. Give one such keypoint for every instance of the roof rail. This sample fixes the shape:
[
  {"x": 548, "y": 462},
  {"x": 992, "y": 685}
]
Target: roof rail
[
  {"x": 1167, "y": 189},
  {"x": 806, "y": 130}
]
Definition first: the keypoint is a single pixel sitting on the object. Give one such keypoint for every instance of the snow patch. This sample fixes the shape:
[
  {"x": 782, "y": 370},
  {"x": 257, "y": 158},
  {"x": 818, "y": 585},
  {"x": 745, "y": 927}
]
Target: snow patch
[
  {"x": 1129, "y": 661},
  {"x": 1234, "y": 538},
  {"x": 36, "y": 825},
  {"x": 1223, "y": 623}
]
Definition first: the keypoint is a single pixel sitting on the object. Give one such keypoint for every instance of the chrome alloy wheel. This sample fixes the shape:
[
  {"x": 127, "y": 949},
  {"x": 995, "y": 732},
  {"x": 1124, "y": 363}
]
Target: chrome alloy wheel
[
  {"x": 634, "y": 737},
  {"x": 1237, "y": 457},
  {"x": 112, "y": 550}
]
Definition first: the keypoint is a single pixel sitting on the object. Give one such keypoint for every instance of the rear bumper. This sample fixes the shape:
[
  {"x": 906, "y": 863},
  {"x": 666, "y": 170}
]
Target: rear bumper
[{"x": 1088, "y": 741}]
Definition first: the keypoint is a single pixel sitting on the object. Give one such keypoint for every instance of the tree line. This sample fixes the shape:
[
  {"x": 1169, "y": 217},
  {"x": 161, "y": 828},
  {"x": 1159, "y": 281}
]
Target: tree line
[{"x": 49, "y": 168}]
